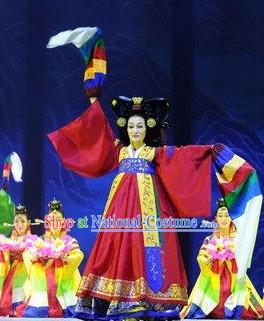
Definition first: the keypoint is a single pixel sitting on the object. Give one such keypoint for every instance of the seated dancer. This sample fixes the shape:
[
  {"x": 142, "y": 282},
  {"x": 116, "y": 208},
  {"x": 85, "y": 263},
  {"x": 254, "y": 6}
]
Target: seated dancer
[
  {"x": 218, "y": 293},
  {"x": 13, "y": 291},
  {"x": 54, "y": 280},
  {"x": 4, "y": 268},
  {"x": 139, "y": 274}
]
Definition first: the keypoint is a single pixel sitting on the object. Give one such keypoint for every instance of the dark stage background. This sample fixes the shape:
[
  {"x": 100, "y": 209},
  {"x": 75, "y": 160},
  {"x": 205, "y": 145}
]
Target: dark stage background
[{"x": 205, "y": 56}]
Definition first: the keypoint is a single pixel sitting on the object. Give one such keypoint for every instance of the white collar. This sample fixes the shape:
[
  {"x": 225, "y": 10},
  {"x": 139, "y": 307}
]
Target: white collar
[{"x": 135, "y": 153}]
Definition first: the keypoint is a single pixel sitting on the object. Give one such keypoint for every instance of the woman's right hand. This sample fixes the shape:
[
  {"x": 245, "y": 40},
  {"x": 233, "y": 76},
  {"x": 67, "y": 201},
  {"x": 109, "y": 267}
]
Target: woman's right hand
[
  {"x": 204, "y": 260},
  {"x": 208, "y": 259}
]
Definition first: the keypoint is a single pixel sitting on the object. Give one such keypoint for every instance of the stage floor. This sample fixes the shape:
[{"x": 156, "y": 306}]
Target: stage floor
[
  {"x": 74, "y": 319},
  {"x": 37, "y": 319}
]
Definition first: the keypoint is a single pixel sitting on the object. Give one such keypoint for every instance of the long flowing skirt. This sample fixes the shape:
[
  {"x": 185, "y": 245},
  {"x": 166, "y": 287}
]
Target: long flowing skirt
[{"x": 116, "y": 276}]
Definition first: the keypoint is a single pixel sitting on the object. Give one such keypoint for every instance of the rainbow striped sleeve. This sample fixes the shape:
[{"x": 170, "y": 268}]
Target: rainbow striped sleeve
[
  {"x": 93, "y": 52},
  {"x": 239, "y": 185},
  {"x": 6, "y": 172},
  {"x": 91, "y": 45}
]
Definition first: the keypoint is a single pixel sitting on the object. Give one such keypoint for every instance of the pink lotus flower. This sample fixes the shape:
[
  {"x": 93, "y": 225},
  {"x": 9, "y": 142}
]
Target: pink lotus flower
[
  {"x": 221, "y": 248},
  {"x": 48, "y": 248},
  {"x": 6, "y": 244}
]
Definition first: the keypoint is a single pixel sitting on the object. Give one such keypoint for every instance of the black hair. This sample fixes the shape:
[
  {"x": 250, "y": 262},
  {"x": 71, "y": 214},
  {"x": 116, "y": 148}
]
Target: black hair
[
  {"x": 154, "y": 111},
  {"x": 21, "y": 210}
]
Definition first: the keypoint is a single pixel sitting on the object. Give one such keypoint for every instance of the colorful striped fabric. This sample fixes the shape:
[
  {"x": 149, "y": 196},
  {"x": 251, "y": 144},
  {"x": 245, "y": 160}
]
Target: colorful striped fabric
[
  {"x": 13, "y": 292},
  {"x": 239, "y": 184},
  {"x": 206, "y": 293},
  {"x": 91, "y": 45},
  {"x": 93, "y": 52},
  {"x": 53, "y": 285},
  {"x": 13, "y": 276},
  {"x": 12, "y": 164},
  {"x": 6, "y": 172},
  {"x": 4, "y": 267},
  {"x": 7, "y": 166},
  {"x": 20, "y": 277}
]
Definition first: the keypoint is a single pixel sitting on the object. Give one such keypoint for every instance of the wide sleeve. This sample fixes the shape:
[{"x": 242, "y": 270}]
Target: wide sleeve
[
  {"x": 238, "y": 182},
  {"x": 70, "y": 270},
  {"x": 29, "y": 261},
  {"x": 4, "y": 266},
  {"x": 185, "y": 174},
  {"x": 87, "y": 145},
  {"x": 204, "y": 259},
  {"x": 75, "y": 256}
]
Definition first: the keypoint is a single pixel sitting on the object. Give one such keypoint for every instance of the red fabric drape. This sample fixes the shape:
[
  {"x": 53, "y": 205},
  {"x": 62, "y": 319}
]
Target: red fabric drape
[
  {"x": 6, "y": 307},
  {"x": 185, "y": 174},
  {"x": 55, "y": 310},
  {"x": 87, "y": 144}
]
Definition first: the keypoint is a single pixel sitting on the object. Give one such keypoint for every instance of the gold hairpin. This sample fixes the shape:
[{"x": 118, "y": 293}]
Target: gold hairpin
[{"x": 137, "y": 100}]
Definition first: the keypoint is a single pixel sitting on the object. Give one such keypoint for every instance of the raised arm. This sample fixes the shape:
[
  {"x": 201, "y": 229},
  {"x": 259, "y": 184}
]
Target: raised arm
[{"x": 87, "y": 145}]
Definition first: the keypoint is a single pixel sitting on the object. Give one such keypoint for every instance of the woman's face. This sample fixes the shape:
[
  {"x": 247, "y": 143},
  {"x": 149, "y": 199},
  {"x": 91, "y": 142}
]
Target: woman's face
[
  {"x": 56, "y": 221},
  {"x": 21, "y": 224},
  {"x": 136, "y": 129},
  {"x": 222, "y": 218}
]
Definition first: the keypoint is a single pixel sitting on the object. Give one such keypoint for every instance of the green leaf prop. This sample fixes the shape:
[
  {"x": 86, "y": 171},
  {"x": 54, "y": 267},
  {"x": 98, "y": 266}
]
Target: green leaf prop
[{"x": 7, "y": 212}]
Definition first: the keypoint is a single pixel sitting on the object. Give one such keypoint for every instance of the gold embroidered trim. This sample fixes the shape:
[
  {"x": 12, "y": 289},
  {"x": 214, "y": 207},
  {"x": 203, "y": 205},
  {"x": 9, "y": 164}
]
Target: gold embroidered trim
[
  {"x": 123, "y": 153},
  {"x": 129, "y": 289},
  {"x": 148, "y": 210},
  {"x": 113, "y": 189}
]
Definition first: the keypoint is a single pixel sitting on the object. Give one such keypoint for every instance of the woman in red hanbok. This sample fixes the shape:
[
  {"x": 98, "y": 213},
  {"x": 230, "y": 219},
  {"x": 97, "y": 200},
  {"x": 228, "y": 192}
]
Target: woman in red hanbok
[{"x": 137, "y": 273}]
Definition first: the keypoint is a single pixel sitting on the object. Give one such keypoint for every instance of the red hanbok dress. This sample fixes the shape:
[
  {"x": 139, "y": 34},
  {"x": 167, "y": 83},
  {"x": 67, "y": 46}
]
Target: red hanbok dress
[{"x": 138, "y": 273}]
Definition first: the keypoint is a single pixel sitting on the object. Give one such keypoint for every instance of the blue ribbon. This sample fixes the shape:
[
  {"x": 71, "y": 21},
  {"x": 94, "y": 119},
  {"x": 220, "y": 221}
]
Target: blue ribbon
[{"x": 154, "y": 268}]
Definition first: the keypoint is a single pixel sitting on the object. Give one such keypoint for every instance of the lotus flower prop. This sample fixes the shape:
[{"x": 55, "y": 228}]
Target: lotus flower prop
[
  {"x": 6, "y": 244},
  {"x": 48, "y": 248},
  {"x": 221, "y": 248}
]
